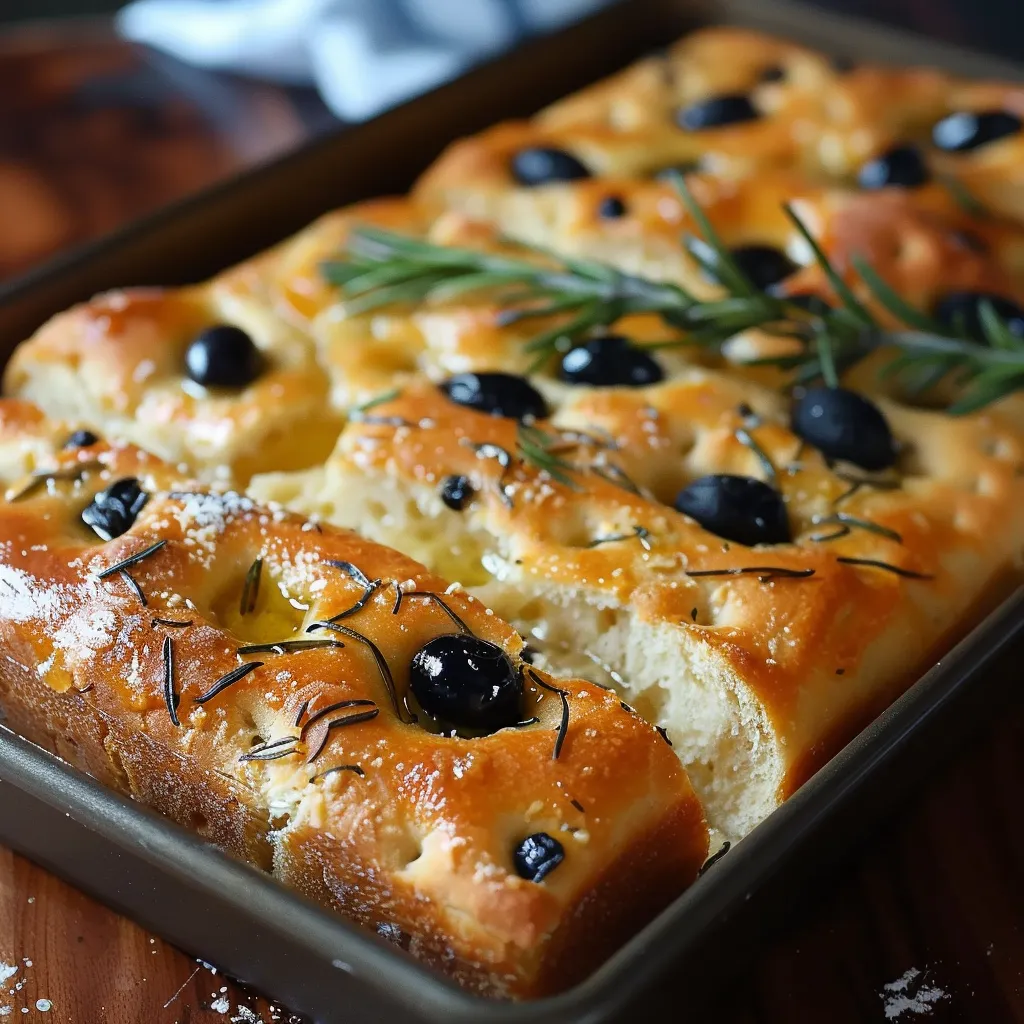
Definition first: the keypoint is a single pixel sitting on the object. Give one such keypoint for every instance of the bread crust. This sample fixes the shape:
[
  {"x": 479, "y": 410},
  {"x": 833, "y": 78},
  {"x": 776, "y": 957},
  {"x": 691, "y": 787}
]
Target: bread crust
[
  {"x": 419, "y": 841},
  {"x": 822, "y": 120},
  {"x": 117, "y": 363}
]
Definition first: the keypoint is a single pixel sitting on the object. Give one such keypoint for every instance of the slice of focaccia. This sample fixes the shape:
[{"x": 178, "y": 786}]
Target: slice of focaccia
[
  {"x": 331, "y": 711},
  {"x": 199, "y": 375}
]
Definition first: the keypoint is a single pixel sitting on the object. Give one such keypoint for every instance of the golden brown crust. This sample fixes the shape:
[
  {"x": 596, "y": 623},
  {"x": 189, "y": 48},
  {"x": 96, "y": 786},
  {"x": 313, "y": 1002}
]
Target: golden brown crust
[
  {"x": 814, "y": 117},
  {"x": 420, "y": 842},
  {"x": 117, "y": 363},
  {"x": 810, "y": 654}
]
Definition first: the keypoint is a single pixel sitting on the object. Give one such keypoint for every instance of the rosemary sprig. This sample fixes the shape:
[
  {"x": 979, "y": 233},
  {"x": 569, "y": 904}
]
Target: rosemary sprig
[
  {"x": 764, "y": 573},
  {"x": 640, "y": 533},
  {"x": 133, "y": 585},
  {"x": 287, "y": 646},
  {"x": 171, "y": 698},
  {"x": 226, "y": 680},
  {"x": 354, "y": 768},
  {"x": 380, "y": 268},
  {"x": 538, "y": 448},
  {"x": 874, "y": 563},
  {"x": 339, "y": 723},
  {"x": 716, "y": 857},
  {"x": 434, "y": 599}
]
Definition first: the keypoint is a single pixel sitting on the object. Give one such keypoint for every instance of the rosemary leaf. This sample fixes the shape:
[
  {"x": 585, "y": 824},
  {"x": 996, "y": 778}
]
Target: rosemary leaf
[
  {"x": 535, "y": 448},
  {"x": 724, "y": 267},
  {"x": 849, "y": 300},
  {"x": 892, "y": 301},
  {"x": 997, "y": 333}
]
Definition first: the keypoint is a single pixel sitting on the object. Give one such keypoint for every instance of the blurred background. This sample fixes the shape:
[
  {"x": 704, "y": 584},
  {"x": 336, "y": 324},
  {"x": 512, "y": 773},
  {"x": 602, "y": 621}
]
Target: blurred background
[
  {"x": 12, "y": 10},
  {"x": 998, "y": 24},
  {"x": 97, "y": 129}
]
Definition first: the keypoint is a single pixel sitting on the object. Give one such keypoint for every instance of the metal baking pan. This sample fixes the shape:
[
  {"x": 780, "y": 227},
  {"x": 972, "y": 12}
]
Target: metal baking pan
[{"x": 314, "y": 961}]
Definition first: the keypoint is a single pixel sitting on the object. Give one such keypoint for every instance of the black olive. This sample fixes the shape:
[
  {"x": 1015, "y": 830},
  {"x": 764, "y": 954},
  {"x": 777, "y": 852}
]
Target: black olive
[
  {"x": 608, "y": 361},
  {"x": 737, "y": 508},
  {"x": 960, "y": 310},
  {"x": 81, "y": 439},
  {"x": 467, "y": 682},
  {"x": 112, "y": 512},
  {"x": 223, "y": 356},
  {"x": 541, "y": 165},
  {"x": 717, "y": 112},
  {"x": 611, "y": 208},
  {"x": 772, "y": 73},
  {"x": 456, "y": 492},
  {"x": 966, "y": 130},
  {"x": 842, "y": 424},
  {"x": 764, "y": 265},
  {"x": 902, "y": 166},
  {"x": 500, "y": 394},
  {"x": 537, "y": 856}
]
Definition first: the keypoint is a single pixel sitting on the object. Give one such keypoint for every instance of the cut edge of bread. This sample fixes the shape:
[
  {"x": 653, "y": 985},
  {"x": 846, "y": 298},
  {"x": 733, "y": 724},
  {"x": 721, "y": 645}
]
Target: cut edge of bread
[{"x": 668, "y": 672}]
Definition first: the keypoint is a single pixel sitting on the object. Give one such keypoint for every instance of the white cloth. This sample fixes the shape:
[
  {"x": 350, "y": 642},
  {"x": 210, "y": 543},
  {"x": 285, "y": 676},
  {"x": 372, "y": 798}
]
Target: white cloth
[{"x": 363, "y": 55}]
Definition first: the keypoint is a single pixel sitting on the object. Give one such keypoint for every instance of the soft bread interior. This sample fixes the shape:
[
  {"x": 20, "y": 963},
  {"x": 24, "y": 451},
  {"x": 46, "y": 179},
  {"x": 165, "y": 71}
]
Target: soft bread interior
[{"x": 667, "y": 671}]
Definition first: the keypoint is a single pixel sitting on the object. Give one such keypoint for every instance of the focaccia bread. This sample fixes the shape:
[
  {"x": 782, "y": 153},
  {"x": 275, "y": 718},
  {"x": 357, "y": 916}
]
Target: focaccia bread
[
  {"x": 757, "y": 562},
  {"x": 332, "y": 712},
  {"x": 655, "y": 423},
  {"x": 735, "y": 103}
]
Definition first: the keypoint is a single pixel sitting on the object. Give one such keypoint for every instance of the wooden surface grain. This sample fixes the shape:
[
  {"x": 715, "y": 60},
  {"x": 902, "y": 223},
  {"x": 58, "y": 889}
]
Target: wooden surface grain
[
  {"x": 924, "y": 925},
  {"x": 95, "y": 132}
]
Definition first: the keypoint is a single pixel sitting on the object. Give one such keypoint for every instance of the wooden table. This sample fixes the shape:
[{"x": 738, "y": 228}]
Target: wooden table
[{"x": 926, "y": 925}]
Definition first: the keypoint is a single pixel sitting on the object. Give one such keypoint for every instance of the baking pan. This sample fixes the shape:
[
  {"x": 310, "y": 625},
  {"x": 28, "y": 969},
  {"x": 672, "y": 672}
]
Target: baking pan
[{"x": 312, "y": 960}]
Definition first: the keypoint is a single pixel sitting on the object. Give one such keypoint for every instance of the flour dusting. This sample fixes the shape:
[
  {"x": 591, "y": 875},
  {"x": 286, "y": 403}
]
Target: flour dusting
[
  {"x": 910, "y": 993},
  {"x": 7, "y": 971}
]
